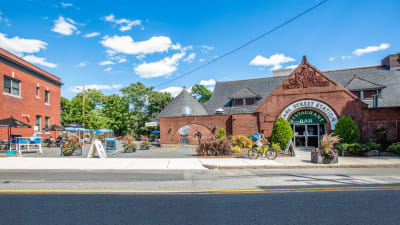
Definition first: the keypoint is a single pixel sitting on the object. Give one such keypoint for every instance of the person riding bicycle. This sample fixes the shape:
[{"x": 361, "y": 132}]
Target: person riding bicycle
[{"x": 259, "y": 139}]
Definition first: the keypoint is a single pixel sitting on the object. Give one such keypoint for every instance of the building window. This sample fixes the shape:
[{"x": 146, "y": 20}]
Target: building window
[
  {"x": 37, "y": 92},
  {"x": 250, "y": 101},
  {"x": 11, "y": 86},
  {"x": 38, "y": 126},
  {"x": 370, "y": 93},
  {"x": 46, "y": 97},
  {"x": 356, "y": 93},
  {"x": 238, "y": 102},
  {"x": 47, "y": 123}
]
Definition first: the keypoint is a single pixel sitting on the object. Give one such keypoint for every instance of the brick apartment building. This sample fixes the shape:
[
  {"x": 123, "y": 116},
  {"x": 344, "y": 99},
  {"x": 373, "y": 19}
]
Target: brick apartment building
[
  {"x": 311, "y": 100},
  {"x": 29, "y": 94}
]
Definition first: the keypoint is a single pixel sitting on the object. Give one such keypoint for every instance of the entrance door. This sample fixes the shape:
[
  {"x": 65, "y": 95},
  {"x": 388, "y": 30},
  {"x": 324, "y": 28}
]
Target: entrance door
[{"x": 307, "y": 126}]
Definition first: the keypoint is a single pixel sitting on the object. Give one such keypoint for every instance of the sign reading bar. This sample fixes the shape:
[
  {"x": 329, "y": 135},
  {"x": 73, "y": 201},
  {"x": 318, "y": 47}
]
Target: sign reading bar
[
  {"x": 325, "y": 109},
  {"x": 151, "y": 124},
  {"x": 97, "y": 146}
]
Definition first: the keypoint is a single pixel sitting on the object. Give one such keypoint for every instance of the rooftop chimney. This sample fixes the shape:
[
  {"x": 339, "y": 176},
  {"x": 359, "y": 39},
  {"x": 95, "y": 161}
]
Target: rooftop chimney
[
  {"x": 281, "y": 73},
  {"x": 392, "y": 61}
]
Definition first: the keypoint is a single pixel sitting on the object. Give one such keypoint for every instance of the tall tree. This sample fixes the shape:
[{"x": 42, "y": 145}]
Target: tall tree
[
  {"x": 116, "y": 111},
  {"x": 157, "y": 102},
  {"x": 201, "y": 93}
]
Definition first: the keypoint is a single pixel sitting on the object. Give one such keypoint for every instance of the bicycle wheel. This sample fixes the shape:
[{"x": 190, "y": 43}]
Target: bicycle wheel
[
  {"x": 271, "y": 154},
  {"x": 252, "y": 153}
]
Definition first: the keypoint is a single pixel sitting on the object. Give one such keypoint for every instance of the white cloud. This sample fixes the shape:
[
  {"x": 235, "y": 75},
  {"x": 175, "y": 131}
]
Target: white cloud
[
  {"x": 82, "y": 64},
  {"x": 107, "y": 69},
  {"x": 106, "y": 62},
  {"x": 332, "y": 58},
  {"x": 190, "y": 57},
  {"x": 125, "y": 44},
  {"x": 274, "y": 60},
  {"x": 370, "y": 49},
  {"x": 201, "y": 60},
  {"x": 39, "y": 60},
  {"x": 18, "y": 45},
  {"x": 121, "y": 60},
  {"x": 207, "y": 82},
  {"x": 125, "y": 24},
  {"x": 64, "y": 26},
  {"x": 174, "y": 91},
  {"x": 4, "y": 19},
  {"x": 93, "y": 34},
  {"x": 206, "y": 48},
  {"x": 346, "y": 57},
  {"x": 65, "y": 5},
  {"x": 77, "y": 89},
  {"x": 141, "y": 57},
  {"x": 163, "y": 67},
  {"x": 291, "y": 67}
]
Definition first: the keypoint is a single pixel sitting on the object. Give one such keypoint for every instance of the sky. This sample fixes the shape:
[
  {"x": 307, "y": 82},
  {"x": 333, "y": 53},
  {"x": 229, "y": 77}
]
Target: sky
[{"x": 108, "y": 45}]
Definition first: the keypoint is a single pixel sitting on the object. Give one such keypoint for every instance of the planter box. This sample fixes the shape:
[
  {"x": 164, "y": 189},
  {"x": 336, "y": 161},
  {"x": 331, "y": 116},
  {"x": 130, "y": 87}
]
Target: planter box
[
  {"x": 129, "y": 149},
  {"x": 76, "y": 152},
  {"x": 316, "y": 157}
]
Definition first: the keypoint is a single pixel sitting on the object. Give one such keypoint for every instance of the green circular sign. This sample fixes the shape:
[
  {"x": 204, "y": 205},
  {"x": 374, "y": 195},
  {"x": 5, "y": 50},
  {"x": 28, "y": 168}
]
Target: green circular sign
[{"x": 306, "y": 116}]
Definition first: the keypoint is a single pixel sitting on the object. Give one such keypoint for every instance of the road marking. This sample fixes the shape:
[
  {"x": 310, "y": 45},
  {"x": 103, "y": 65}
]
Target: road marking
[{"x": 204, "y": 192}]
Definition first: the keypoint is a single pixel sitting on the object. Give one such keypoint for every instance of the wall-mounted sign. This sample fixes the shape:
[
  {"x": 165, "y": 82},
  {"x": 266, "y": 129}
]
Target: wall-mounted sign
[
  {"x": 307, "y": 103},
  {"x": 306, "y": 116},
  {"x": 151, "y": 124}
]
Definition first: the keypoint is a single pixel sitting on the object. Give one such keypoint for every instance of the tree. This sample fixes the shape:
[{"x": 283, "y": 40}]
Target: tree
[
  {"x": 347, "y": 130},
  {"x": 116, "y": 113},
  {"x": 281, "y": 132},
  {"x": 201, "y": 93},
  {"x": 157, "y": 102}
]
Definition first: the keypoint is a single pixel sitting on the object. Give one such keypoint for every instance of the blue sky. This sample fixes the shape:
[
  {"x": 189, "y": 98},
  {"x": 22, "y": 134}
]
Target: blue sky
[{"x": 110, "y": 44}]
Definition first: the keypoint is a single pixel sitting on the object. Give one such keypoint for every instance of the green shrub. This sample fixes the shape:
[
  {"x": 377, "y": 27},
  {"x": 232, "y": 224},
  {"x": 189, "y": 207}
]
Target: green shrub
[
  {"x": 395, "y": 147},
  {"x": 381, "y": 137},
  {"x": 373, "y": 145},
  {"x": 281, "y": 132},
  {"x": 276, "y": 147},
  {"x": 242, "y": 141},
  {"x": 236, "y": 149},
  {"x": 221, "y": 133},
  {"x": 347, "y": 130}
]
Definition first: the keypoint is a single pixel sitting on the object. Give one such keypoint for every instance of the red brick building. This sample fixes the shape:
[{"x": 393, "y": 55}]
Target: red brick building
[
  {"x": 311, "y": 100},
  {"x": 29, "y": 94}
]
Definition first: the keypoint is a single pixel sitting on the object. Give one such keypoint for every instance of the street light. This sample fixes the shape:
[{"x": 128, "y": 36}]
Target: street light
[{"x": 83, "y": 104}]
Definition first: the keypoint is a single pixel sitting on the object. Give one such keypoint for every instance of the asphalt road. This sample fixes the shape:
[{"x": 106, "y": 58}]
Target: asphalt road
[{"x": 304, "y": 207}]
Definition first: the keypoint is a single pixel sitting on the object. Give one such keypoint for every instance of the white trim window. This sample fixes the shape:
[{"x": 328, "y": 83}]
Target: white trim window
[
  {"x": 37, "y": 92},
  {"x": 38, "y": 127},
  {"x": 47, "y": 124},
  {"x": 12, "y": 87},
  {"x": 47, "y": 97}
]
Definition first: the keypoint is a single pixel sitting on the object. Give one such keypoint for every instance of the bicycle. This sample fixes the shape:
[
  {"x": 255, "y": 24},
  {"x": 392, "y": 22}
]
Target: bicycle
[{"x": 255, "y": 152}]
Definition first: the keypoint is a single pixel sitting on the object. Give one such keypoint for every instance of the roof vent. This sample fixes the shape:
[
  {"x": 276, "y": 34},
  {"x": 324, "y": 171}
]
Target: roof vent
[
  {"x": 281, "y": 73},
  {"x": 219, "y": 111},
  {"x": 187, "y": 111}
]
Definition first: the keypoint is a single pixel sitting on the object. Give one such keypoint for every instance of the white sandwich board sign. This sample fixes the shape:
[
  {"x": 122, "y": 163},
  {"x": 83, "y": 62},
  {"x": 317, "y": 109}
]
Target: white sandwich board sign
[{"x": 97, "y": 146}]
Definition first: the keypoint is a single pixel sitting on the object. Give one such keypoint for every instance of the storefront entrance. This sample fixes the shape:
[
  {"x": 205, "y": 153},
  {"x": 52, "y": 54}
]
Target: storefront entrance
[{"x": 308, "y": 126}]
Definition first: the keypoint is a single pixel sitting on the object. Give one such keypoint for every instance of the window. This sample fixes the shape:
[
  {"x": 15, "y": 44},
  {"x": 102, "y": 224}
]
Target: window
[
  {"x": 38, "y": 126},
  {"x": 368, "y": 94},
  {"x": 250, "y": 101},
  {"x": 37, "y": 92},
  {"x": 46, "y": 97},
  {"x": 11, "y": 86},
  {"x": 238, "y": 102},
  {"x": 47, "y": 123},
  {"x": 356, "y": 93}
]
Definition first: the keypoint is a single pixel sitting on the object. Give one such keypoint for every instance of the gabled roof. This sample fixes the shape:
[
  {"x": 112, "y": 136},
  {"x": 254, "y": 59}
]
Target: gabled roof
[
  {"x": 245, "y": 92},
  {"x": 358, "y": 83},
  {"x": 176, "y": 106}
]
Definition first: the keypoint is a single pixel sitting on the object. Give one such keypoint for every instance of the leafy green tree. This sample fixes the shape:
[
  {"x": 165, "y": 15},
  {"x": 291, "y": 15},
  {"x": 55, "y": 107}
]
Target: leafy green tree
[
  {"x": 347, "y": 130},
  {"x": 281, "y": 132},
  {"x": 157, "y": 102},
  {"x": 221, "y": 134},
  {"x": 116, "y": 111},
  {"x": 201, "y": 93}
]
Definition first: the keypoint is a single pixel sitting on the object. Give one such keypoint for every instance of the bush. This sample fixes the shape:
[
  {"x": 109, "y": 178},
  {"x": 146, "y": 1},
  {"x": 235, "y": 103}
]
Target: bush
[
  {"x": 276, "y": 147},
  {"x": 221, "y": 134},
  {"x": 381, "y": 137},
  {"x": 395, "y": 147},
  {"x": 241, "y": 141},
  {"x": 214, "y": 147},
  {"x": 281, "y": 132},
  {"x": 373, "y": 145},
  {"x": 347, "y": 130},
  {"x": 236, "y": 149}
]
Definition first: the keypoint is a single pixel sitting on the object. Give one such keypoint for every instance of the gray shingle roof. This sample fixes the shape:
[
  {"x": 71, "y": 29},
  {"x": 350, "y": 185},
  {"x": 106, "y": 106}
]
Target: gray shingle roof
[
  {"x": 245, "y": 92},
  {"x": 224, "y": 90},
  {"x": 176, "y": 106},
  {"x": 377, "y": 74},
  {"x": 357, "y": 83}
]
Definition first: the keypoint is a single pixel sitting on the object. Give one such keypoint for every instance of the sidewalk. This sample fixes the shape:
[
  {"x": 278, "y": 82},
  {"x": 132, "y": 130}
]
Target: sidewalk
[{"x": 21, "y": 163}]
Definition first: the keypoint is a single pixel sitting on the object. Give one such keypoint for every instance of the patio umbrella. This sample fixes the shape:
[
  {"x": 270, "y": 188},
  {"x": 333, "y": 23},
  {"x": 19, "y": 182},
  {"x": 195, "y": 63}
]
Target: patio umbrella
[
  {"x": 56, "y": 127},
  {"x": 155, "y": 132},
  {"x": 10, "y": 123},
  {"x": 104, "y": 130},
  {"x": 74, "y": 125}
]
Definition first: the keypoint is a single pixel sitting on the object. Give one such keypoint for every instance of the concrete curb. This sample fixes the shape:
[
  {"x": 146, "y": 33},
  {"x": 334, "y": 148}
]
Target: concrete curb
[{"x": 392, "y": 165}]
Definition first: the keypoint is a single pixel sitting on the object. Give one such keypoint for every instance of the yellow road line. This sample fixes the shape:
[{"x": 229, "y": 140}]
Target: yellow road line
[{"x": 203, "y": 192}]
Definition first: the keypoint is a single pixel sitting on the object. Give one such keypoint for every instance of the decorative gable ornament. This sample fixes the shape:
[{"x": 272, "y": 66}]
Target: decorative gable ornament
[{"x": 305, "y": 78}]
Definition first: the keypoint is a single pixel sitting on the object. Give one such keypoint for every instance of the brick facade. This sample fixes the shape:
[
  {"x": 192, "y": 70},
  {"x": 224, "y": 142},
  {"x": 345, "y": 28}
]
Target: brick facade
[
  {"x": 27, "y": 106},
  {"x": 305, "y": 83}
]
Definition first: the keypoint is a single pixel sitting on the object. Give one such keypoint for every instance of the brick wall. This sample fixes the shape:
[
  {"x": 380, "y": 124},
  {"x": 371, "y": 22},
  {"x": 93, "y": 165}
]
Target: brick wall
[
  {"x": 27, "y": 106},
  {"x": 388, "y": 118}
]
